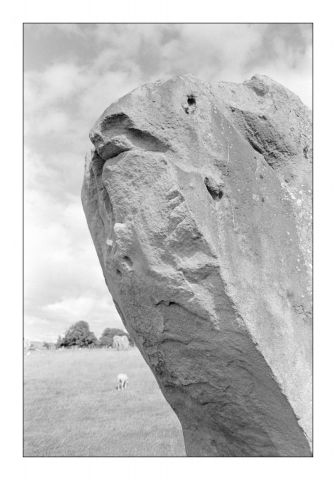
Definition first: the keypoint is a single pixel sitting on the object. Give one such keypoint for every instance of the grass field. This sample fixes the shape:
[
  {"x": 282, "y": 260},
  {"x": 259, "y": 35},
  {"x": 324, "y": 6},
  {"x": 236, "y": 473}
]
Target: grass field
[{"x": 71, "y": 406}]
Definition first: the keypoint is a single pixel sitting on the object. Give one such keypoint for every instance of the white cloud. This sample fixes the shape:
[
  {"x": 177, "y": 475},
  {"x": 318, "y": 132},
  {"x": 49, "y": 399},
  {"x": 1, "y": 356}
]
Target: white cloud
[
  {"x": 58, "y": 82},
  {"x": 73, "y": 309},
  {"x": 55, "y": 123},
  {"x": 103, "y": 90},
  {"x": 63, "y": 278}
]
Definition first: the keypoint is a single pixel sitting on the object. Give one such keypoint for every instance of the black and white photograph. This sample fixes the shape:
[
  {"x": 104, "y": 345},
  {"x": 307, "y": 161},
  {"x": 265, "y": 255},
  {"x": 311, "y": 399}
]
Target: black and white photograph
[{"x": 167, "y": 239}]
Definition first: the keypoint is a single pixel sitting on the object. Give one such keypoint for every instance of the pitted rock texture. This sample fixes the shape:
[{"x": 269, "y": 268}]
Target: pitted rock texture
[{"x": 198, "y": 200}]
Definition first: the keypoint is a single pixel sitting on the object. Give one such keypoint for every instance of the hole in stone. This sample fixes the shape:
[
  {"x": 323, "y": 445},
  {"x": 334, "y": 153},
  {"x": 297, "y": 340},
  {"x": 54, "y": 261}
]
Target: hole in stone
[
  {"x": 214, "y": 190},
  {"x": 128, "y": 260},
  {"x": 190, "y": 105},
  {"x": 118, "y": 272},
  {"x": 191, "y": 100},
  {"x": 261, "y": 176}
]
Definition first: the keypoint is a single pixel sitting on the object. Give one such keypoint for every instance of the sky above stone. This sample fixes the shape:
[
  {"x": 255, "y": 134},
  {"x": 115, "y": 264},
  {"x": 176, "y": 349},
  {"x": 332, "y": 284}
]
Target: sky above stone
[{"x": 71, "y": 74}]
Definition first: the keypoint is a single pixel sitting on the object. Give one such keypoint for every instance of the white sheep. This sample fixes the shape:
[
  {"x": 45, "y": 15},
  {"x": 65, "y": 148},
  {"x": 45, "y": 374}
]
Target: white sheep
[{"x": 122, "y": 381}]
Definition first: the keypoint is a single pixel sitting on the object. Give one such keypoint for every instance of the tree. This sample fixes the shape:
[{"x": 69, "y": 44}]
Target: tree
[
  {"x": 106, "y": 339},
  {"x": 59, "y": 342},
  {"x": 78, "y": 335}
]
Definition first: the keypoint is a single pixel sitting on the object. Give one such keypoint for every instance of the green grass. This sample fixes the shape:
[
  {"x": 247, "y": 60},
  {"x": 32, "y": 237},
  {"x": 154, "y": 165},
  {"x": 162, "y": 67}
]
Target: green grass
[{"x": 71, "y": 406}]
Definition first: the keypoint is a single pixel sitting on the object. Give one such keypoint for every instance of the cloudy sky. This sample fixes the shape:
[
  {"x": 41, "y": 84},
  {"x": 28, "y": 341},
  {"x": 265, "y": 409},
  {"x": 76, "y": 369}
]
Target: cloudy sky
[{"x": 71, "y": 74}]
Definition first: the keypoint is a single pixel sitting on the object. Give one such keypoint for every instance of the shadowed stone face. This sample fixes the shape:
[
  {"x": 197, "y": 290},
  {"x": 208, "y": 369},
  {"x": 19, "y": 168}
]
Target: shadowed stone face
[{"x": 198, "y": 202}]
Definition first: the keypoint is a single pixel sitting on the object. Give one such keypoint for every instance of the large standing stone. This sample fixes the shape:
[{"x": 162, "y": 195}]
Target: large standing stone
[{"x": 198, "y": 200}]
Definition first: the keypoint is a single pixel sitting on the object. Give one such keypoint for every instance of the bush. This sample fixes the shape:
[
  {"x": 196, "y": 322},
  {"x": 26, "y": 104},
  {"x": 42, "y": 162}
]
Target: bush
[{"x": 78, "y": 335}]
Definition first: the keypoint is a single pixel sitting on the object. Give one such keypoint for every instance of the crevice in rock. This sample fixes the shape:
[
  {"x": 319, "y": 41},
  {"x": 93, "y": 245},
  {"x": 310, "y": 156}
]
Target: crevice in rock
[
  {"x": 215, "y": 190},
  {"x": 127, "y": 260},
  {"x": 146, "y": 141},
  {"x": 168, "y": 303},
  {"x": 118, "y": 134},
  {"x": 167, "y": 337},
  {"x": 96, "y": 166},
  {"x": 115, "y": 122}
]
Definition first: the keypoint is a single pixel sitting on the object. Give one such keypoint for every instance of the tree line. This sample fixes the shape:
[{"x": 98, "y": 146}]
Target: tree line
[{"x": 80, "y": 335}]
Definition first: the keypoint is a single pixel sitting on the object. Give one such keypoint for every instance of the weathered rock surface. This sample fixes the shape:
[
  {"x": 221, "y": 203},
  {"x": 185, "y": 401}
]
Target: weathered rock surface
[{"x": 198, "y": 200}]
